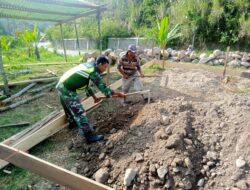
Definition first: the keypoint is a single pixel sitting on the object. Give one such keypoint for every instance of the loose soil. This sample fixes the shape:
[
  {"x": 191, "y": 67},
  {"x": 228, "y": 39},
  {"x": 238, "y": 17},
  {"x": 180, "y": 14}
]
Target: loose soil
[{"x": 193, "y": 135}]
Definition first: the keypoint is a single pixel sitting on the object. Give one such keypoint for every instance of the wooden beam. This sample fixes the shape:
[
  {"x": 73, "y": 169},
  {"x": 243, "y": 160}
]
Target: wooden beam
[
  {"x": 48, "y": 170},
  {"x": 87, "y": 13},
  {"x": 57, "y": 124},
  {"x": 31, "y": 81}
]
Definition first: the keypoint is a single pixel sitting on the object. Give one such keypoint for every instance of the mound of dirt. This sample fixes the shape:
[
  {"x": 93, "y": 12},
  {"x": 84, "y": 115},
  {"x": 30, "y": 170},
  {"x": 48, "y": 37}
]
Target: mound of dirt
[{"x": 195, "y": 135}]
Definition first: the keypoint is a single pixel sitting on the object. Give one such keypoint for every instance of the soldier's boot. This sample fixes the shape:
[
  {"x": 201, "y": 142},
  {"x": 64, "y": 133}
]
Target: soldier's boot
[{"x": 90, "y": 137}]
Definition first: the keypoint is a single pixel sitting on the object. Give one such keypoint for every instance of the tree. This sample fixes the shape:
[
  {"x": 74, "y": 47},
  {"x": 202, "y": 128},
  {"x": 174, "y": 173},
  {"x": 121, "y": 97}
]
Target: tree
[{"x": 164, "y": 36}]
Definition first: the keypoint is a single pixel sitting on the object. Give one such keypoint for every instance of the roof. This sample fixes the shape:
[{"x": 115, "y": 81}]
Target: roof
[{"x": 59, "y": 11}]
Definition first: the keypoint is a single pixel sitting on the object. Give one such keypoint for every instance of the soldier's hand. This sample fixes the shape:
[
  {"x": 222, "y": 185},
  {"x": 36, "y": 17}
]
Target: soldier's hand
[
  {"x": 96, "y": 99},
  {"x": 119, "y": 94}
]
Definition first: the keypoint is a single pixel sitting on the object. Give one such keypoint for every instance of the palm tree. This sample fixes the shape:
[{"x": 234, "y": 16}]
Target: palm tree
[{"x": 164, "y": 36}]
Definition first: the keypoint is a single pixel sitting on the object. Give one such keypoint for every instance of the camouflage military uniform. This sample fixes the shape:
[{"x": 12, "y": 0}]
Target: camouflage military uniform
[{"x": 79, "y": 78}]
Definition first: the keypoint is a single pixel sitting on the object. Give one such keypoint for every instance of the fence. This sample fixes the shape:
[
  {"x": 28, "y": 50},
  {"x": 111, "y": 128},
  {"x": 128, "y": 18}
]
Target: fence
[
  {"x": 123, "y": 43},
  {"x": 113, "y": 43},
  {"x": 71, "y": 44}
]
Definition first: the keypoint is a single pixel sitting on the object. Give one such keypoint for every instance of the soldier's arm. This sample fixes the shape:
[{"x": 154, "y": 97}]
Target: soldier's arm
[{"x": 99, "y": 82}]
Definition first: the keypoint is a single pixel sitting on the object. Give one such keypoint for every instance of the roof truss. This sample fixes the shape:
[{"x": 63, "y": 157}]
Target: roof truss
[{"x": 59, "y": 11}]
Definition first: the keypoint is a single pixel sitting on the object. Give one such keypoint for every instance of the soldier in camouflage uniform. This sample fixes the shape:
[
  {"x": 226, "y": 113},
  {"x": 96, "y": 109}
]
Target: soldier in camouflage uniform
[{"x": 79, "y": 78}]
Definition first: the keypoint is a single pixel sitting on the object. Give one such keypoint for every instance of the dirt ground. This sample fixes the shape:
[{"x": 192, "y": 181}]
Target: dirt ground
[{"x": 193, "y": 135}]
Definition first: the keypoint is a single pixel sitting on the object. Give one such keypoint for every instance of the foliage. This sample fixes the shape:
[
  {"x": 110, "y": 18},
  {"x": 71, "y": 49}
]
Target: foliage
[
  {"x": 6, "y": 44},
  {"x": 165, "y": 36}
]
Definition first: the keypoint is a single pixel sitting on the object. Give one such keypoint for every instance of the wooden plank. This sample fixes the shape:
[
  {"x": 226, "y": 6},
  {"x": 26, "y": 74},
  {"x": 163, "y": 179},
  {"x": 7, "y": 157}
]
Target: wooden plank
[
  {"x": 48, "y": 170},
  {"x": 57, "y": 124},
  {"x": 31, "y": 81}
]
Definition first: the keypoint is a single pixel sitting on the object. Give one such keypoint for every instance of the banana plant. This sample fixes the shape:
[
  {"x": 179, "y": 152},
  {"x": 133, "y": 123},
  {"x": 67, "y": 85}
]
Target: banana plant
[
  {"x": 165, "y": 36},
  {"x": 6, "y": 43},
  {"x": 27, "y": 38},
  {"x": 35, "y": 40}
]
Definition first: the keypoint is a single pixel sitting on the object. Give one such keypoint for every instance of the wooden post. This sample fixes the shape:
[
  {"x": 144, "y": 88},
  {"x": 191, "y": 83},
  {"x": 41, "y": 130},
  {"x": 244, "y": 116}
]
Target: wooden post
[
  {"x": 99, "y": 30},
  {"x": 64, "y": 49},
  {"x": 48, "y": 170},
  {"x": 225, "y": 65},
  {"x": 2, "y": 72},
  {"x": 77, "y": 39}
]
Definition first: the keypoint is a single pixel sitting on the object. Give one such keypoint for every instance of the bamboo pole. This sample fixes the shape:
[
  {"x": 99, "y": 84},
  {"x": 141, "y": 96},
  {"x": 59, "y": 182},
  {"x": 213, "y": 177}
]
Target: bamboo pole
[
  {"x": 64, "y": 49},
  {"x": 2, "y": 72},
  {"x": 21, "y": 102},
  {"x": 19, "y": 93},
  {"x": 16, "y": 125}
]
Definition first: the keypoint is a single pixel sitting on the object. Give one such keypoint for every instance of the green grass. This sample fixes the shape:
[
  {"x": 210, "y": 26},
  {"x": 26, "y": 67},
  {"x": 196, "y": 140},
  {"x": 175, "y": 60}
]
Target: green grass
[
  {"x": 20, "y": 56},
  {"x": 153, "y": 69}
]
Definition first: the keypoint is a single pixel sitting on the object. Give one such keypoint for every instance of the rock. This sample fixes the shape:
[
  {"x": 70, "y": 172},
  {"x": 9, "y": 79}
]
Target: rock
[
  {"x": 161, "y": 172},
  {"x": 245, "y": 64},
  {"x": 201, "y": 182},
  {"x": 173, "y": 141},
  {"x": 107, "y": 163},
  {"x": 107, "y": 52},
  {"x": 188, "y": 141},
  {"x": 193, "y": 56},
  {"x": 157, "y": 135},
  {"x": 113, "y": 131},
  {"x": 138, "y": 157},
  {"x": 240, "y": 163},
  {"x": 242, "y": 185},
  {"x": 129, "y": 176},
  {"x": 217, "y": 52},
  {"x": 86, "y": 170},
  {"x": 188, "y": 163},
  {"x": 203, "y": 55},
  {"x": 234, "y": 63},
  {"x": 165, "y": 120},
  {"x": 152, "y": 169},
  {"x": 102, "y": 156},
  {"x": 167, "y": 184},
  {"x": 102, "y": 175},
  {"x": 74, "y": 170},
  {"x": 168, "y": 130},
  {"x": 206, "y": 60},
  {"x": 210, "y": 163},
  {"x": 212, "y": 155},
  {"x": 236, "y": 56}
]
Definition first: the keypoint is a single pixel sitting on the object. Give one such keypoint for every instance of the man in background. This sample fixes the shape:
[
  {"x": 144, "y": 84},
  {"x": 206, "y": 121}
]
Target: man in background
[{"x": 130, "y": 69}]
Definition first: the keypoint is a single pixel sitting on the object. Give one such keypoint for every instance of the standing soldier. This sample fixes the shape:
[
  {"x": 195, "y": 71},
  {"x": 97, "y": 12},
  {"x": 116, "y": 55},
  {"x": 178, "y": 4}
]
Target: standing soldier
[{"x": 79, "y": 78}]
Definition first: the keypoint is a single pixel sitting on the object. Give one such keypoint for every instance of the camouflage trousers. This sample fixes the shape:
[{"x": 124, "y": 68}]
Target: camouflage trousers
[{"x": 74, "y": 110}]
